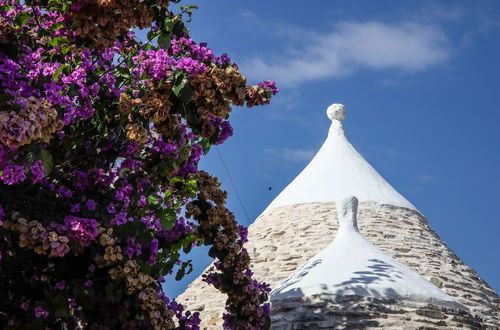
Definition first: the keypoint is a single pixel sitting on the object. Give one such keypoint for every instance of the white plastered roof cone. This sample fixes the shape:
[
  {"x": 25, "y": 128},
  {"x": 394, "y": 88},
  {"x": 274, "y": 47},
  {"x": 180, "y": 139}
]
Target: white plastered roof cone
[
  {"x": 336, "y": 171},
  {"x": 351, "y": 265}
]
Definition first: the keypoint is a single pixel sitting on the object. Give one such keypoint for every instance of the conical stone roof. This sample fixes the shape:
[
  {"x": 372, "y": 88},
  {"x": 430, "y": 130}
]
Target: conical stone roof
[
  {"x": 337, "y": 171},
  {"x": 352, "y": 266},
  {"x": 297, "y": 225}
]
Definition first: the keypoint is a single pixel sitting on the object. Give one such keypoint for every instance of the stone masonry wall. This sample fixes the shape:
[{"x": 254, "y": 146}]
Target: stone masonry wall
[
  {"x": 353, "y": 312},
  {"x": 283, "y": 239}
]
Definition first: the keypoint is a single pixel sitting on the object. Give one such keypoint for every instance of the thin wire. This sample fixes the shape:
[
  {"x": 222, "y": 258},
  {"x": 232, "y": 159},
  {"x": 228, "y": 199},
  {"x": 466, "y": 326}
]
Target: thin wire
[{"x": 232, "y": 184}]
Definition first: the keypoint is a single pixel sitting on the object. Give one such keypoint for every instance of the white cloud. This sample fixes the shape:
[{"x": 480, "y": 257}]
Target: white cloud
[
  {"x": 291, "y": 155},
  {"x": 354, "y": 45},
  {"x": 425, "y": 178},
  {"x": 443, "y": 12}
]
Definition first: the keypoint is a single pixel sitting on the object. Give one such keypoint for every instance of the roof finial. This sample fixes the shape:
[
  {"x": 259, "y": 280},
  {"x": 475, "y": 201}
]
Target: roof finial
[
  {"x": 336, "y": 111},
  {"x": 347, "y": 209}
]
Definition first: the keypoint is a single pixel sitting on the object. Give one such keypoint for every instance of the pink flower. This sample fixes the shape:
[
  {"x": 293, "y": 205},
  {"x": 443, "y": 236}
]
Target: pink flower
[
  {"x": 61, "y": 285},
  {"x": 81, "y": 230},
  {"x": 13, "y": 174},
  {"x": 90, "y": 204},
  {"x": 75, "y": 208},
  {"x": 37, "y": 171},
  {"x": 40, "y": 312}
]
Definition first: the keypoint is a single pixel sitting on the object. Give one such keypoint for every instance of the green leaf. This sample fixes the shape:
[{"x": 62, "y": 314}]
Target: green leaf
[
  {"x": 48, "y": 161},
  {"x": 123, "y": 73},
  {"x": 176, "y": 179},
  {"x": 188, "y": 265},
  {"x": 212, "y": 252},
  {"x": 124, "y": 171},
  {"x": 187, "y": 248},
  {"x": 205, "y": 144},
  {"x": 66, "y": 6},
  {"x": 164, "y": 40},
  {"x": 153, "y": 34},
  {"x": 59, "y": 304},
  {"x": 58, "y": 41},
  {"x": 57, "y": 26},
  {"x": 21, "y": 19},
  {"x": 178, "y": 28},
  {"x": 194, "y": 119},
  {"x": 169, "y": 23},
  {"x": 4, "y": 97},
  {"x": 56, "y": 74},
  {"x": 129, "y": 62},
  {"x": 61, "y": 312},
  {"x": 86, "y": 296},
  {"x": 267, "y": 323},
  {"x": 16, "y": 107},
  {"x": 65, "y": 49},
  {"x": 187, "y": 243},
  {"x": 167, "y": 218},
  {"x": 180, "y": 274},
  {"x": 154, "y": 200},
  {"x": 179, "y": 83},
  {"x": 112, "y": 292},
  {"x": 30, "y": 158},
  {"x": 163, "y": 167},
  {"x": 186, "y": 94},
  {"x": 191, "y": 187},
  {"x": 128, "y": 229},
  {"x": 73, "y": 90},
  {"x": 145, "y": 237}
]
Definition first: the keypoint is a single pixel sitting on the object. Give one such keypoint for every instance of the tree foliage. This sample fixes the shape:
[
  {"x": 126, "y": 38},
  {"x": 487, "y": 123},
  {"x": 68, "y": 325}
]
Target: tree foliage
[{"x": 100, "y": 138}]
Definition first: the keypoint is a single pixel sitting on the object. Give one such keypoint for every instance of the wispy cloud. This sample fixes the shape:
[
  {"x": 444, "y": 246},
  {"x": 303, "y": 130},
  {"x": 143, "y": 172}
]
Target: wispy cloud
[
  {"x": 425, "y": 178},
  {"x": 442, "y": 12},
  {"x": 355, "y": 45},
  {"x": 291, "y": 155}
]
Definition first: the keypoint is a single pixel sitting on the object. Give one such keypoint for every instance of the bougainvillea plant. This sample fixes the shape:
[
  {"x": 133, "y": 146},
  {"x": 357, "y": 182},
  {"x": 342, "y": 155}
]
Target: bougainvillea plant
[{"x": 100, "y": 192}]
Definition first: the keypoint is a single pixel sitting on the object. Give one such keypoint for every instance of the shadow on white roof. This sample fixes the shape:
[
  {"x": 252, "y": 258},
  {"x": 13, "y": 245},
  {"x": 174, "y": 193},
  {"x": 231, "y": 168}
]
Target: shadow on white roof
[{"x": 351, "y": 265}]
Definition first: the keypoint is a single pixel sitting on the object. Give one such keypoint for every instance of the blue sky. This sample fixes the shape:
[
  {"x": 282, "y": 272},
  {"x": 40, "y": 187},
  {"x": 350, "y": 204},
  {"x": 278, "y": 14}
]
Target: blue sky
[{"x": 420, "y": 80}]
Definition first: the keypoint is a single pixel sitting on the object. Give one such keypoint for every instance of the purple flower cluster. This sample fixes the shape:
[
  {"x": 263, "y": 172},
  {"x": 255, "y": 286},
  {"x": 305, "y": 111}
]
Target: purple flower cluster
[
  {"x": 133, "y": 248},
  {"x": 153, "y": 247},
  {"x": 180, "y": 229},
  {"x": 90, "y": 204},
  {"x": 186, "y": 46},
  {"x": 80, "y": 230},
  {"x": 120, "y": 219},
  {"x": 155, "y": 64},
  {"x": 243, "y": 233},
  {"x": 60, "y": 285},
  {"x": 37, "y": 173},
  {"x": 80, "y": 180},
  {"x": 191, "y": 66},
  {"x": 13, "y": 173},
  {"x": 2, "y": 214},
  {"x": 183, "y": 54},
  {"x": 40, "y": 312},
  {"x": 224, "y": 59},
  {"x": 225, "y": 129},
  {"x": 270, "y": 85}
]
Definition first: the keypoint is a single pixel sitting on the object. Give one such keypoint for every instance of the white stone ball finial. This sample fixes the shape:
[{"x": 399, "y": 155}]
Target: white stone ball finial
[{"x": 336, "y": 111}]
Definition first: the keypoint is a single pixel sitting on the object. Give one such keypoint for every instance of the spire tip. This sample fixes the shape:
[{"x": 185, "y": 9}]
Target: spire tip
[{"x": 347, "y": 209}]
